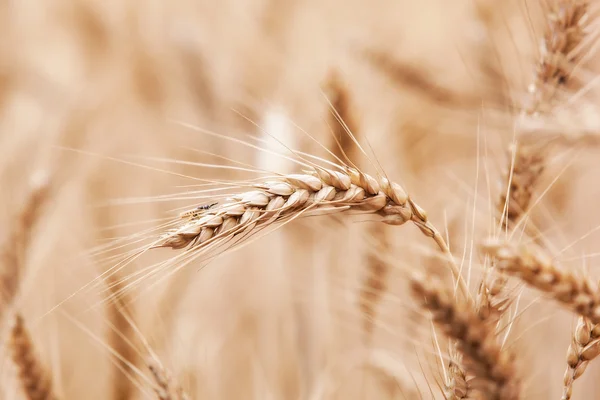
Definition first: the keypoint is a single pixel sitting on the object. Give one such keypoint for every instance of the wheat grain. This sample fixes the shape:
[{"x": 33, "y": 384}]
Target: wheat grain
[{"x": 559, "y": 54}]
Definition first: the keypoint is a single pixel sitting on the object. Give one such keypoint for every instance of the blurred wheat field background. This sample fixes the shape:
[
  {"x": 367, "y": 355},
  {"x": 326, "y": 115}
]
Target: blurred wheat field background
[{"x": 325, "y": 307}]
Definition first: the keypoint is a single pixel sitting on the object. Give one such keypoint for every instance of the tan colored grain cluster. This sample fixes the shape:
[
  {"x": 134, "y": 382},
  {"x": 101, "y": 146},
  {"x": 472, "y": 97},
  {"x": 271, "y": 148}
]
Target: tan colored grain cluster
[
  {"x": 585, "y": 346},
  {"x": 492, "y": 368}
]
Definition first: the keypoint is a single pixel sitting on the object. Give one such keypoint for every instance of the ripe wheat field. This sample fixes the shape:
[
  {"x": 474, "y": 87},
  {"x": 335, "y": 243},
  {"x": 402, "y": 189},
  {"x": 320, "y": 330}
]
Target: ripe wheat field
[{"x": 276, "y": 199}]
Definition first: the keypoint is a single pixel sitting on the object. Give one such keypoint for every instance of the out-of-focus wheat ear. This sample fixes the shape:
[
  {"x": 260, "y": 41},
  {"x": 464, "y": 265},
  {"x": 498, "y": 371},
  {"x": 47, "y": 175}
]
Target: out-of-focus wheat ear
[
  {"x": 492, "y": 368},
  {"x": 166, "y": 388},
  {"x": 374, "y": 283},
  {"x": 535, "y": 268},
  {"x": 409, "y": 77},
  {"x": 120, "y": 339},
  {"x": 525, "y": 169},
  {"x": 561, "y": 50},
  {"x": 35, "y": 379},
  {"x": 585, "y": 346},
  {"x": 14, "y": 249},
  {"x": 343, "y": 119}
]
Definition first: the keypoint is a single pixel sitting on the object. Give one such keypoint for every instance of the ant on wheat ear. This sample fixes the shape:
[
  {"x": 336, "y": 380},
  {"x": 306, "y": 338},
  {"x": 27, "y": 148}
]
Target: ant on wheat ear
[{"x": 196, "y": 212}]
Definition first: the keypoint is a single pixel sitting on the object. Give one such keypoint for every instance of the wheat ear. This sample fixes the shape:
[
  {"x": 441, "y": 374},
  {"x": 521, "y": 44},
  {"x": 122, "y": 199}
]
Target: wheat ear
[
  {"x": 535, "y": 268},
  {"x": 15, "y": 248},
  {"x": 35, "y": 379},
  {"x": 457, "y": 386},
  {"x": 579, "y": 294},
  {"x": 566, "y": 22},
  {"x": 492, "y": 368},
  {"x": 287, "y": 197}
]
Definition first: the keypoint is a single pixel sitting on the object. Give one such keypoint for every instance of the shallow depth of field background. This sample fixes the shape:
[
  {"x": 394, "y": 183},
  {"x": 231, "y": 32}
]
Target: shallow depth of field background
[{"x": 84, "y": 84}]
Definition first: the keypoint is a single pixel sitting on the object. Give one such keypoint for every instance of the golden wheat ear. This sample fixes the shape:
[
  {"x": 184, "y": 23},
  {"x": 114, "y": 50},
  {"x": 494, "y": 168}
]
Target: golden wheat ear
[
  {"x": 563, "y": 46},
  {"x": 536, "y": 269},
  {"x": 577, "y": 293},
  {"x": 35, "y": 379},
  {"x": 492, "y": 368},
  {"x": 584, "y": 347},
  {"x": 318, "y": 191}
]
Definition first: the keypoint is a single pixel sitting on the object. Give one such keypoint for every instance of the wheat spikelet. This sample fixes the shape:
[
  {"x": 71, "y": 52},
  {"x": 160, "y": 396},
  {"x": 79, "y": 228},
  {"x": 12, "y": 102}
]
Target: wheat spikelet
[
  {"x": 559, "y": 54},
  {"x": 494, "y": 375},
  {"x": 585, "y": 346},
  {"x": 165, "y": 389},
  {"x": 35, "y": 379},
  {"x": 567, "y": 21},
  {"x": 457, "y": 388},
  {"x": 343, "y": 119},
  {"x": 14, "y": 249}
]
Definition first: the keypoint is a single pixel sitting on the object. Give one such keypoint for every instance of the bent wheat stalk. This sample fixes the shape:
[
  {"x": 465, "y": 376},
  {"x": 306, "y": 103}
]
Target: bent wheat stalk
[{"x": 318, "y": 191}]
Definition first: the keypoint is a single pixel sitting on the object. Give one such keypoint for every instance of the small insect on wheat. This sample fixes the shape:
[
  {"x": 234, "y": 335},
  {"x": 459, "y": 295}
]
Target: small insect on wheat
[{"x": 197, "y": 212}]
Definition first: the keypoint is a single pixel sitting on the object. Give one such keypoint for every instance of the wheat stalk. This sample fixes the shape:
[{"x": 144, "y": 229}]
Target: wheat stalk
[{"x": 492, "y": 367}]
